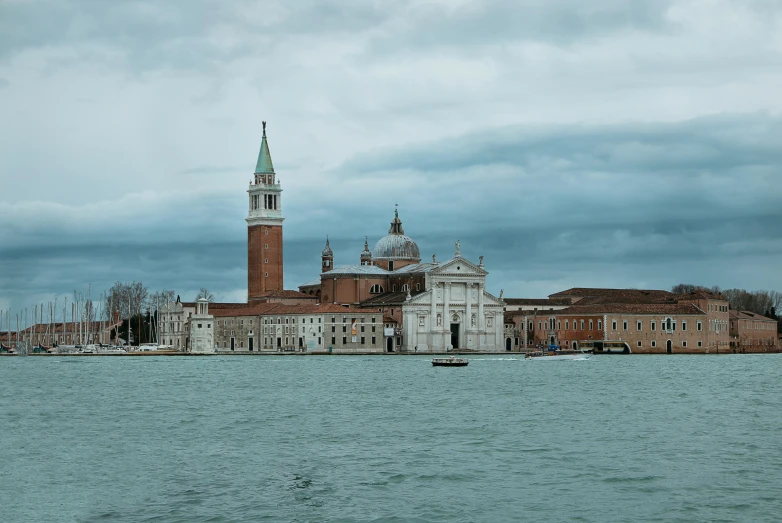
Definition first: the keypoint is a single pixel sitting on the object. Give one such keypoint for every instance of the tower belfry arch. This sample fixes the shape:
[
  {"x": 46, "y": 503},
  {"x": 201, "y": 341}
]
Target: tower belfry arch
[{"x": 264, "y": 227}]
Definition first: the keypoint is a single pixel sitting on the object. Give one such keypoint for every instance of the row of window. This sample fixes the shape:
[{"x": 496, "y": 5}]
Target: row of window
[
  {"x": 668, "y": 324},
  {"x": 653, "y": 344}
]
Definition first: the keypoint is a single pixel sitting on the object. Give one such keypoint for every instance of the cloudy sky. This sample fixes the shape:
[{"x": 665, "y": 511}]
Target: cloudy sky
[{"x": 610, "y": 143}]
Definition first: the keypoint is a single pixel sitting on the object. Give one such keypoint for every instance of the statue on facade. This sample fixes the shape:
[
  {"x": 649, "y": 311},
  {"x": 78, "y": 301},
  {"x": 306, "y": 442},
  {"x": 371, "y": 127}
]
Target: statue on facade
[
  {"x": 434, "y": 258},
  {"x": 439, "y": 320},
  {"x": 501, "y": 291},
  {"x": 472, "y": 320},
  {"x": 458, "y": 248},
  {"x": 480, "y": 261}
]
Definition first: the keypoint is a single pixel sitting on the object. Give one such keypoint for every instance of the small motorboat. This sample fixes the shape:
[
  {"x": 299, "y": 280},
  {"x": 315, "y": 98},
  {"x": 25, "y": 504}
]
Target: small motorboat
[{"x": 450, "y": 362}]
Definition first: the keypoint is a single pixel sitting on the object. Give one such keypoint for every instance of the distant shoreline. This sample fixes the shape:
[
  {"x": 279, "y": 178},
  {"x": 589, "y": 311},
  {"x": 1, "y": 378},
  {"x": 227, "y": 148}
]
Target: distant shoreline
[{"x": 326, "y": 353}]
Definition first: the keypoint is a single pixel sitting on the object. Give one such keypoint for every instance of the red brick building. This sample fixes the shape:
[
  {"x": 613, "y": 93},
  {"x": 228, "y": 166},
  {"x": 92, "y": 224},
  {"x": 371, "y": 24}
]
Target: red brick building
[{"x": 750, "y": 332}]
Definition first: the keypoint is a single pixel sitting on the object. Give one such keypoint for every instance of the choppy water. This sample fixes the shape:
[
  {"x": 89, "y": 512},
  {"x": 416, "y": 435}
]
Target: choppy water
[{"x": 682, "y": 438}]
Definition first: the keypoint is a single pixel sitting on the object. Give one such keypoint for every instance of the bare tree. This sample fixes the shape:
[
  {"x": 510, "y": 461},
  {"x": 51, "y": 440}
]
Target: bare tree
[
  {"x": 127, "y": 298},
  {"x": 685, "y": 288},
  {"x": 204, "y": 293}
]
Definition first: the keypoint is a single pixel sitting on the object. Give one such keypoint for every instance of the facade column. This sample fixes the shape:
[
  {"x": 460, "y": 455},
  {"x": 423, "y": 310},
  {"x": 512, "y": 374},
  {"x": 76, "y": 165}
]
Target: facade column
[
  {"x": 481, "y": 321},
  {"x": 468, "y": 302},
  {"x": 433, "y": 319},
  {"x": 446, "y": 313}
]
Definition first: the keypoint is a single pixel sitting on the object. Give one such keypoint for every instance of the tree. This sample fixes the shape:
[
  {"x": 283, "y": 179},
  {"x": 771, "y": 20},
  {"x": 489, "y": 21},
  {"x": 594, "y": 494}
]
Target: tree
[
  {"x": 204, "y": 293},
  {"x": 127, "y": 298},
  {"x": 686, "y": 288}
]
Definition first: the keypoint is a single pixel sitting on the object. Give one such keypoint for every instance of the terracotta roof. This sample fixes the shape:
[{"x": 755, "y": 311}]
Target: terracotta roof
[
  {"x": 216, "y": 305},
  {"x": 263, "y": 309},
  {"x": 614, "y": 293},
  {"x": 41, "y": 328},
  {"x": 388, "y": 298},
  {"x": 543, "y": 302},
  {"x": 748, "y": 315},
  {"x": 632, "y": 308},
  {"x": 286, "y": 294},
  {"x": 701, "y": 294}
]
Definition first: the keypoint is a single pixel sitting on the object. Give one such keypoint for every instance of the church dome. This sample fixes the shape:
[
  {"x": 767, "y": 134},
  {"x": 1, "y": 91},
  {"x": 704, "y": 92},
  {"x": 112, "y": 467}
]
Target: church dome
[{"x": 395, "y": 245}]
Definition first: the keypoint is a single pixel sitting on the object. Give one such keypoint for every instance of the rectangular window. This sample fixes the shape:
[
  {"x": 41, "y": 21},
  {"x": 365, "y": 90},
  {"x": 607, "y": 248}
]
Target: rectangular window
[
  {"x": 373, "y": 340},
  {"x": 653, "y": 325},
  {"x": 613, "y": 325},
  {"x": 344, "y": 340},
  {"x": 700, "y": 343},
  {"x": 559, "y": 325},
  {"x": 638, "y": 326},
  {"x": 362, "y": 340},
  {"x": 599, "y": 325},
  {"x": 624, "y": 325},
  {"x": 333, "y": 340},
  {"x": 654, "y": 343},
  {"x": 582, "y": 324},
  {"x": 700, "y": 327},
  {"x": 639, "y": 343},
  {"x": 567, "y": 325},
  {"x": 318, "y": 341},
  {"x": 590, "y": 325},
  {"x": 344, "y": 328},
  {"x": 684, "y": 344}
]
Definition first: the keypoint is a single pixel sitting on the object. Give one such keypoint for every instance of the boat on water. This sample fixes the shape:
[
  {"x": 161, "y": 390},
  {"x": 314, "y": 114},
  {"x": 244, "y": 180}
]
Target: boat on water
[
  {"x": 6, "y": 349},
  {"x": 450, "y": 362},
  {"x": 554, "y": 353}
]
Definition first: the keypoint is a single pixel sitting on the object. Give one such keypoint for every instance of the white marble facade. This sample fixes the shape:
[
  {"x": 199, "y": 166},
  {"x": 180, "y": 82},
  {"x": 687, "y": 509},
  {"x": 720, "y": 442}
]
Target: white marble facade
[
  {"x": 455, "y": 311},
  {"x": 202, "y": 329}
]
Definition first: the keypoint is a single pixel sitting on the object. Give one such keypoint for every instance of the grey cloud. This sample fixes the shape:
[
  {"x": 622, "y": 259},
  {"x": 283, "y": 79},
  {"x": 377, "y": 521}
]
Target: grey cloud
[
  {"x": 499, "y": 21},
  {"x": 721, "y": 142},
  {"x": 202, "y": 34}
]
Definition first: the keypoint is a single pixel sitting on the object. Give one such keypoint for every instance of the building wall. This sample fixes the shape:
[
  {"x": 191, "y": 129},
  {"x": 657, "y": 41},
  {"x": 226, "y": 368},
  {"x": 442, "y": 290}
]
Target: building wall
[
  {"x": 576, "y": 328},
  {"x": 291, "y": 332},
  {"x": 754, "y": 335},
  {"x": 624, "y": 327},
  {"x": 264, "y": 260}
]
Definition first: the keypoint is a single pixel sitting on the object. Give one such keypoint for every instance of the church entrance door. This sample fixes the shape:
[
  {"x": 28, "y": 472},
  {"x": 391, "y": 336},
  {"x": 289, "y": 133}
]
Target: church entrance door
[
  {"x": 389, "y": 344},
  {"x": 250, "y": 343},
  {"x": 455, "y": 335}
]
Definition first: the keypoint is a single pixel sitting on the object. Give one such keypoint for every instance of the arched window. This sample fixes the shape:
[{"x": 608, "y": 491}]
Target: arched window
[
  {"x": 405, "y": 287},
  {"x": 376, "y": 289}
]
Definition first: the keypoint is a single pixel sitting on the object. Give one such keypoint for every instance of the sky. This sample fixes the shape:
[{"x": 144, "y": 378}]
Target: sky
[{"x": 573, "y": 144}]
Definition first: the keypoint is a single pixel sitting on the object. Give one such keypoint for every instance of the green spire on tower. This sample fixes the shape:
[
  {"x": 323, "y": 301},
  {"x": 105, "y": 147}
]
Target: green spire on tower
[{"x": 264, "y": 165}]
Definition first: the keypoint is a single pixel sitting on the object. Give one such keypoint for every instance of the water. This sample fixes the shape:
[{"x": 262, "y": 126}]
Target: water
[{"x": 681, "y": 438}]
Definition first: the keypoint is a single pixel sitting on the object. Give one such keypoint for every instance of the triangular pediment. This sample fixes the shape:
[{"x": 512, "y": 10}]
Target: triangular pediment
[{"x": 459, "y": 265}]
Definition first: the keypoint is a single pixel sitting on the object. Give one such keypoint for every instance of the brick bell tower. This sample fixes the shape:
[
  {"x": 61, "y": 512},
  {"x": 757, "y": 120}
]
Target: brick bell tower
[{"x": 264, "y": 228}]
